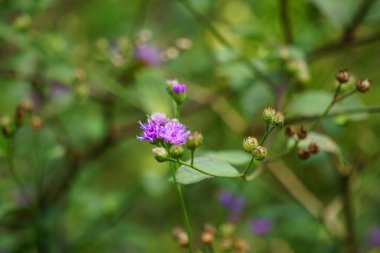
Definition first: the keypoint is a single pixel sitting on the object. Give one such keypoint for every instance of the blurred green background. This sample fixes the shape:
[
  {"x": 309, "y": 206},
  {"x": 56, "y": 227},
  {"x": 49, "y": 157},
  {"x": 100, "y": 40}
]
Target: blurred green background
[{"x": 95, "y": 68}]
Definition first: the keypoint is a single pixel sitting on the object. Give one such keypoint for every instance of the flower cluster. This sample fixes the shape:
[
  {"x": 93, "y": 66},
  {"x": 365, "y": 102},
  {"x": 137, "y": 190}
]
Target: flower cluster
[{"x": 159, "y": 127}]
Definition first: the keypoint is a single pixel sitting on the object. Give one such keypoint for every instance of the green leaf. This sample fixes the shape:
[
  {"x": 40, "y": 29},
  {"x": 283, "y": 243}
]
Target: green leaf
[
  {"x": 219, "y": 168},
  {"x": 235, "y": 157},
  {"x": 324, "y": 143}
]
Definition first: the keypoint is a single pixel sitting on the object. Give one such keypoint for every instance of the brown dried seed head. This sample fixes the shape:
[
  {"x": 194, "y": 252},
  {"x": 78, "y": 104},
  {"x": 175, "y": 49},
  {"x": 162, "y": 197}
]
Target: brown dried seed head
[{"x": 303, "y": 154}]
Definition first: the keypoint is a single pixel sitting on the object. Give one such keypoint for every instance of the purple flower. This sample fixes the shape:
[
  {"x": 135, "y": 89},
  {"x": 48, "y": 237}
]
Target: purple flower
[
  {"x": 261, "y": 226},
  {"x": 58, "y": 91},
  {"x": 232, "y": 203},
  {"x": 174, "y": 133},
  {"x": 179, "y": 88},
  {"x": 159, "y": 127},
  {"x": 225, "y": 199},
  {"x": 374, "y": 237},
  {"x": 148, "y": 54}
]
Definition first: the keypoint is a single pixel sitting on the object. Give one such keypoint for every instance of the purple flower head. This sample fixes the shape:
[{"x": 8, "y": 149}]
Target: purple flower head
[
  {"x": 153, "y": 127},
  {"x": 148, "y": 54},
  {"x": 174, "y": 133},
  {"x": 374, "y": 237},
  {"x": 179, "y": 88},
  {"x": 231, "y": 202},
  {"x": 261, "y": 226},
  {"x": 58, "y": 91},
  {"x": 159, "y": 127}
]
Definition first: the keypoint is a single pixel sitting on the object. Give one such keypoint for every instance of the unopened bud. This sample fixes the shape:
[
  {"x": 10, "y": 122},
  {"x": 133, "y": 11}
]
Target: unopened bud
[
  {"x": 241, "y": 246},
  {"x": 209, "y": 228},
  {"x": 268, "y": 115},
  {"x": 36, "y": 123},
  {"x": 302, "y": 133},
  {"x": 313, "y": 148},
  {"x": 176, "y": 151},
  {"x": 207, "y": 237},
  {"x": 259, "y": 153},
  {"x": 194, "y": 140},
  {"x": 19, "y": 115},
  {"x": 6, "y": 126},
  {"x": 289, "y": 131},
  {"x": 343, "y": 76},
  {"x": 177, "y": 91},
  {"x": 363, "y": 85},
  {"x": 28, "y": 105},
  {"x": 225, "y": 244},
  {"x": 180, "y": 237},
  {"x": 278, "y": 119},
  {"x": 160, "y": 154},
  {"x": 303, "y": 154},
  {"x": 249, "y": 144},
  {"x": 227, "y": 229}
]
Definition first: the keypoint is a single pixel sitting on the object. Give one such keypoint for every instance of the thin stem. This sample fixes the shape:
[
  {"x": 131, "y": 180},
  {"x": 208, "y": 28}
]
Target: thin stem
[
  {"x": 285, "y": 21},
  {"x": 350, "y": 243},
  {"x": 267, "y": 133},
  {"x": 296, "y": 120},
  {"x": 199, "y": 170},
  {"x": 192, "y": 156},
  {"x": 346, "y": 95},
  {"x": 184, "y": 210},
  {"x": 248, "y": 167},
  {"x": 176, "y": 110}
]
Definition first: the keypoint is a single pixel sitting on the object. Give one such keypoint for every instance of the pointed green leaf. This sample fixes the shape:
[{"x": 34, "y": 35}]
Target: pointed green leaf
[{"x": 219, "y": 168}]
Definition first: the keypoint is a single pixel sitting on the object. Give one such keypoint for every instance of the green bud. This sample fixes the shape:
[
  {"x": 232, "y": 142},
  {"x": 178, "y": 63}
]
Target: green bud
[
  {"x": 268, "y": 115},
  {"x": 176, "y": 151},
  {"x": 6, "y": 126},
  {"x": 160, "y": 154},
  {"x": 194, "y": 140},
  {"x": 249, "y": 144},
  {"x": 259, "y": 153},
  {"x": 278, "y": 119}
]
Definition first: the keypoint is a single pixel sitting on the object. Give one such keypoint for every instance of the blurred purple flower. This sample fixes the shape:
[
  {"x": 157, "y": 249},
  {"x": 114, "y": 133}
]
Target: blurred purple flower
[
  {"x": 261, "y": 226},
  {"x": 232, "y": 203},
  {"x": 35, "y": 98},
  {"x": 148, "y": 54},
  {"x": 58, "y": 90},
  {"x": 159, "y": 127},
  {"x": 374, "y": 237}
]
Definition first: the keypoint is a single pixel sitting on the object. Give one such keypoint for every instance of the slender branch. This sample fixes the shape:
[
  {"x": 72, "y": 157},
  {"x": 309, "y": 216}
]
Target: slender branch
[
  {"x": 359, "y": 16},
  {"x": 184, "y": 210},
  {"x": 301, "y": 119},
  {"x": 285, "y": 21}
]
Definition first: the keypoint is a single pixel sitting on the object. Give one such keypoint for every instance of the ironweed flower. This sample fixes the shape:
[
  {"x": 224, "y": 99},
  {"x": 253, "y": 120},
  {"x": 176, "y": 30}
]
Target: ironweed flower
[
  {"x": 159, "y": 127},
  {"x": 232, "y": 203},
  {"x": 374, "y": 237},
  {"x": 148, "y": 54},
  {"x": 261, "y": 226},
  {"x": 176, "y": 90}
]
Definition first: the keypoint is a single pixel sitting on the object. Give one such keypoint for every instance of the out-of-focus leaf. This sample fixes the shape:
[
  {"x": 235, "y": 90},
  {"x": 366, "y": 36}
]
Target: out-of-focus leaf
[
  {"x": 338, "y": 12},
  {"x": 255, "y": 99},
  {"x": 324, "y": 143},
  {"x": 187, "y": 175},
  {"x": 235, "y": 157}
]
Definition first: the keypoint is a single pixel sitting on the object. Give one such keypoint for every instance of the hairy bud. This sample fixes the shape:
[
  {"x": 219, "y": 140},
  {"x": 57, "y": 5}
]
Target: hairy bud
[
  {"x": 289, "y": 131},
  {"x": 268, "y": 115},
  {"x": 278, "y": 119},
  {"x": 6, "y": 126},
  {"x": 194, "y": 140},
  {"x": 36, "y": 123},
  {"x": 343, "y": 76},
  {"x": 363, "y": 85},
  {"x": 313, "y": 148},
  {"x": 302, "y": 133},
  {"x": 160, "y": 154},
  {"x": 303, "y": 154},
  {"x": 249, "y": 144},
  {"x": 176, "y": 151},
  {"x": 180, "y": 237},
  {"x": 259, "y": 153}
]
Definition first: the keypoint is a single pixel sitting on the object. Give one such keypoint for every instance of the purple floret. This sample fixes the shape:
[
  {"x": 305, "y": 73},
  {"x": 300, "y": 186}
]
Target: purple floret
[
  {"x": 159, "y": 127},
  {"x": 261, "y": 226},
  {"x": 174, "y": 133},
  {"x": 374, "y": 237},
  {"x": 179, "y": 88},
  {"x": 148, "y": 54}
]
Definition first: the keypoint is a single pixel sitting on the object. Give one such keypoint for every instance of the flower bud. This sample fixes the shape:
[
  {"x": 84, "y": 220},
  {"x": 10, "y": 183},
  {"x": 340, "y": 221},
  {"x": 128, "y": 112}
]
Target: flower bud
[
  {"x": 268, "y": 115},
  {"x": 303, "y": 154},
  {"x": 259, "y": 153},
  {"x": 19, "y": 115},
  {"x": 227, "y": 229},
  {"x": 36, "y": 123},
  {"x": 176, "y": 151},
  {"x": 180, "y": 237},
  {"x": 302, "y": 133},
  {"x": 363, "y": 85},
  {"x": 177, "y": 91},
  {"x": 241, "y": 246},
  {"x": 6, "y": 126},
  {"x": 160, "y": 154},
  {"x": 194, "y": 140},
  {"x": 278, "y": 119},
  {"x": 313, "y": 148},
  {"x": 249, "y": 144},
  {"x": 343, "y": 76},
  {"x": 207, "y": 237},
  {"x": 225, "y": 244},
  {"x": 289, "y": 131}
]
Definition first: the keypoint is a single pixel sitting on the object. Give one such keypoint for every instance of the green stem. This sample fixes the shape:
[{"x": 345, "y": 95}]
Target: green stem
[
  {"x": 248, "y": 167},
  {"x": 176, "y": 110},
  {"x": 192, "y": 156},
  {"x": 267, "y": 133},
  {"x": 184, "y": 210},
  {"x": 201, "y": 171}
]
